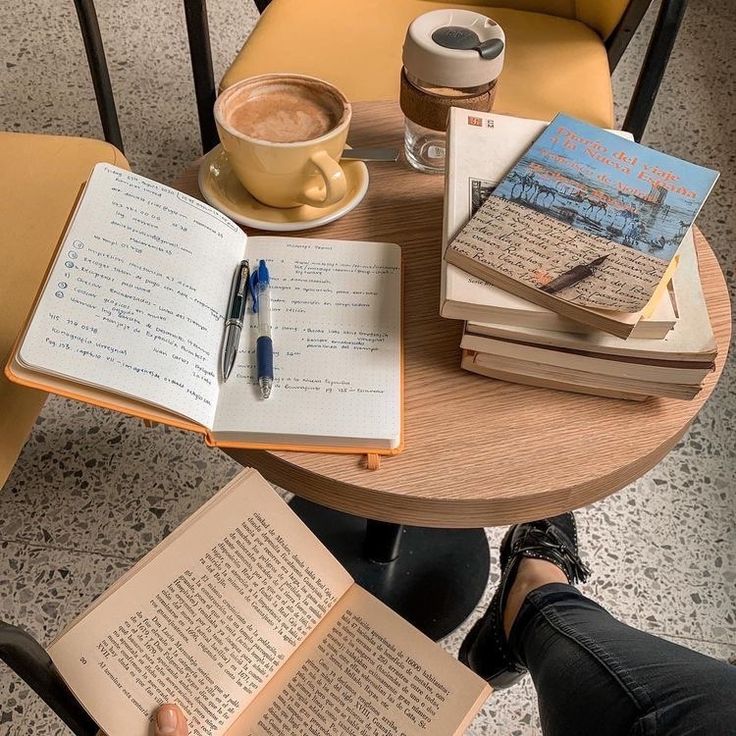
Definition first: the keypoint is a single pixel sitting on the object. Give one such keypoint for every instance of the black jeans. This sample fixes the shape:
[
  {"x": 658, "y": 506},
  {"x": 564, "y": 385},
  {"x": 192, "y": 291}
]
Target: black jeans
[{"x": 598, "y": 677}]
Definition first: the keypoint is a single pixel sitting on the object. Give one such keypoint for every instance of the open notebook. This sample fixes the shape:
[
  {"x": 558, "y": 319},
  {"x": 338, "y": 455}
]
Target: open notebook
[
  {"x": 245, "y": 620},
  {"x": 131, "y": 317}
]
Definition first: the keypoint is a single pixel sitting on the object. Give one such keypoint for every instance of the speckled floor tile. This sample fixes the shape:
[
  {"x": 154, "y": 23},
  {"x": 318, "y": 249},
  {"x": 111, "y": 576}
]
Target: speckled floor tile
[
  {"x": 675, "y": 575},
  {"x": 502, "y": 714},
  {"x": 94, "y": 577},
  {"x": 123, "y": 485},
  {"x": 55, "y": 478},
  {"x": 717, "y": 650},
  {"x": 37, "y": 585},
  {"x": 699, "y": 612},
  {"x": 157, "y": 491},
  {"x": 16, "y": 701},
  {"x": 92, "y": 491}
]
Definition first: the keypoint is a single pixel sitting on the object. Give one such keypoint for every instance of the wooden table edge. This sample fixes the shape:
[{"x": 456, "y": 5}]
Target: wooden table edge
[{"x": 455, "y": 513}]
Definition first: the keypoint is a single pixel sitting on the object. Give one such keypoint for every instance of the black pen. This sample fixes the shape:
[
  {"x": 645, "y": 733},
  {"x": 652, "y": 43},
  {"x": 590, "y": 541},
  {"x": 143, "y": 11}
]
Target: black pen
[{"x": 234, "y": 317}]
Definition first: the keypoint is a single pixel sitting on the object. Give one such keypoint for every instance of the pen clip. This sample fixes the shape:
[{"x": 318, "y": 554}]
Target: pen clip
[
  {"x": 253, "y": 289},
  {"x": 259, "y": 279},
  {"x": 244, "y": 280},
  {"x": 263, "y": 277}
]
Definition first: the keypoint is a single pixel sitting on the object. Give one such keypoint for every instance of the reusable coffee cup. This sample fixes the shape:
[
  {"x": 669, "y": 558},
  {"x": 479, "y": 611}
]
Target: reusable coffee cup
[
  {"x": 284, "y": 135},
  {"x": 451, "y": 58}
]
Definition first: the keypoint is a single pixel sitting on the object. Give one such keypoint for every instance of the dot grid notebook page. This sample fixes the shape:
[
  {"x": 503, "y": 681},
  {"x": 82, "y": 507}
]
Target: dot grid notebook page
[{"x": 336, "y": 317}]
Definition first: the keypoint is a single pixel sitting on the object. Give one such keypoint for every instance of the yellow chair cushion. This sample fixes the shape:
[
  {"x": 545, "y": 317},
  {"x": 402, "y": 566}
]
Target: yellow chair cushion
[
  {"x": 600, "y": 15},
  {"x": 552, "y": 64},
  {"x": 42, "y": 176}
]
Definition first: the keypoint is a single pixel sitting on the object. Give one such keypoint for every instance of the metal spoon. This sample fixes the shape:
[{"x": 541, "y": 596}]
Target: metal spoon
[{"x": 370, "y": 154}]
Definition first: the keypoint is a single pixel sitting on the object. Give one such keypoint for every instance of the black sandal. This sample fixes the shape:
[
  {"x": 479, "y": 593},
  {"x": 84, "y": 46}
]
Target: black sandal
[{"x": 485, "y": 649}]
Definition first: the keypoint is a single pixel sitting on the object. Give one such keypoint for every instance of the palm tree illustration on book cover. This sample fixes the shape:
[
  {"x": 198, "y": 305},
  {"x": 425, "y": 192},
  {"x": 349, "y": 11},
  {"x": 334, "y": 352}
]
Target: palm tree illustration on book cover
[{"x": 588, "y": 216}]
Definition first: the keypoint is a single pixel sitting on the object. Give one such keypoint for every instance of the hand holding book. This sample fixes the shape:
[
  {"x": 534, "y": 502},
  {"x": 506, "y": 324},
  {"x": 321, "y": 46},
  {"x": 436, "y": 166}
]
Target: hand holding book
[{"x": 170, "y": 720}]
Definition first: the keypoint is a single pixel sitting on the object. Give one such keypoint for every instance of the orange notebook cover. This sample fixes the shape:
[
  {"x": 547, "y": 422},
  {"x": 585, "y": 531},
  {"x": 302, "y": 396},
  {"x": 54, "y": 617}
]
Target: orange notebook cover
[{"x": 140, "y": 264}]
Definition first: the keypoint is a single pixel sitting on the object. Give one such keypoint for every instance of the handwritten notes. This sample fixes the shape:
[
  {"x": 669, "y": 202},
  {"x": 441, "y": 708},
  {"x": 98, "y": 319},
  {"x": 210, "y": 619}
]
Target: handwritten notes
[
  {"x": 534, "y": 249},
  {"x": 136, "y": 301},
  {"x": 337, "y": 346},
  {"x": 137, "y": 294}
]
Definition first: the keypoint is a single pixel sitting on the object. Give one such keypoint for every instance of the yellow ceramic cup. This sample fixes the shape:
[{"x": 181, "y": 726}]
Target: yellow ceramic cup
[{"x": 286, "y": 174}]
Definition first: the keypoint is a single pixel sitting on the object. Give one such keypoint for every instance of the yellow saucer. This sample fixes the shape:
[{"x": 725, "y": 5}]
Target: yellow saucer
[{"x": 221, "y": 188}]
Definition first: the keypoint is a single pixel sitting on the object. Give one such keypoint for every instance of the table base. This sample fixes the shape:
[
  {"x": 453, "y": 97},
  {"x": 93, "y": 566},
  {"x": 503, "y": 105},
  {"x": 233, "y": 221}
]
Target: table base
[{"x": 432, "y": 577}]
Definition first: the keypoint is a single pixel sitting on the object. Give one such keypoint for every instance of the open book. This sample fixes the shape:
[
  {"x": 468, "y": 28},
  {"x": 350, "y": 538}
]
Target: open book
[
  {"x": 482, "y": 148},
  {"x": 246, "y": 621},
  {"x": 586, "y": 224},
  {"x": 131, "y": 317}
]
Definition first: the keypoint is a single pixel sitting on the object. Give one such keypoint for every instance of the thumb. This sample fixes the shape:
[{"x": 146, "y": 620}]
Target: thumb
[{"x": 170, "y": 721}]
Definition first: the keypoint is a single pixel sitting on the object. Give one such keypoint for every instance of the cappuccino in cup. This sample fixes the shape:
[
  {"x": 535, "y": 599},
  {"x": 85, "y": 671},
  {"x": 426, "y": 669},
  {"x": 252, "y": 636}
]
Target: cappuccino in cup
[
  {"x": 284, "y": 135},
  {"x": 283, "y": 116}
]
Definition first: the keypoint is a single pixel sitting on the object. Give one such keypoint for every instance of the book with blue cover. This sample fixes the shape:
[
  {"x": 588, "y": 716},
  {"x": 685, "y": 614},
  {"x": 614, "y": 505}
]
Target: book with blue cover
[{"x": 587, "y": 224}]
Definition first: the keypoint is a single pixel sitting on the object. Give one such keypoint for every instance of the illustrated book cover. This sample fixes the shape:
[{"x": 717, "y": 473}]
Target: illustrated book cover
[
  {"x": 481, "y": 149},
  {"x": 586, "y": 224}
]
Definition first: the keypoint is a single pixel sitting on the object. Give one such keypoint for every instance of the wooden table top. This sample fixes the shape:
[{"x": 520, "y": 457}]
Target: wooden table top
[{"x": 479, "y": 452}]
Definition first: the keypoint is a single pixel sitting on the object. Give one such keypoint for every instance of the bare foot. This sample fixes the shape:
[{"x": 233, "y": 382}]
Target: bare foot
[{"x": 532, "y": 573}]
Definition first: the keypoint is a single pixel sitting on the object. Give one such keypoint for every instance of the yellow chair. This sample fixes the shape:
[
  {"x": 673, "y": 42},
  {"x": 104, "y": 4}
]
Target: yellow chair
[
  {"x": 552, "y": 61},
  {"x": 559, "y": 53},
  {"x": 45, "y": 176}
]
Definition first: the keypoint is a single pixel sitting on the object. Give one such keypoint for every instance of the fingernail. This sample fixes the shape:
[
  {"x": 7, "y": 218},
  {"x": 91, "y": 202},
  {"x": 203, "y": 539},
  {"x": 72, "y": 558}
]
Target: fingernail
[{"x": 166, "y": 720}]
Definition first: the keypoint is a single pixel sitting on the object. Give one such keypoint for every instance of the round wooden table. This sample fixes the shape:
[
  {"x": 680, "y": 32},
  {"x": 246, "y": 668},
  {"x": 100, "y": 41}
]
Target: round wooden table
[{"x": 479, "y": 452}]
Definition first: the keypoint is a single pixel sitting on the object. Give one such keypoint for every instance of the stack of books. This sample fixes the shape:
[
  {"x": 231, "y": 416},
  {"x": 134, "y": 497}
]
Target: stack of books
[{"x": 569, "y": 254}]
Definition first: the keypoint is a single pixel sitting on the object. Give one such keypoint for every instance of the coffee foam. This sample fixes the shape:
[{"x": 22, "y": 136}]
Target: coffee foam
[{"x": 283, "y": 111}]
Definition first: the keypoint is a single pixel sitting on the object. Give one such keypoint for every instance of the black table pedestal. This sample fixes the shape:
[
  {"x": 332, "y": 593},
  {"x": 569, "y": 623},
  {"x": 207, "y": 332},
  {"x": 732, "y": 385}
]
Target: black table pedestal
[{"x": 433, "y": 578}]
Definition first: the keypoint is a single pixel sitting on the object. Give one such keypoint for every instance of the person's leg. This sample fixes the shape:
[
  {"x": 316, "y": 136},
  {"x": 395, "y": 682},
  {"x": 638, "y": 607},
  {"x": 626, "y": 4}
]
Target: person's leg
[
  {"x": 593, "y": 674},
  {"x": 596, "y": 675}
]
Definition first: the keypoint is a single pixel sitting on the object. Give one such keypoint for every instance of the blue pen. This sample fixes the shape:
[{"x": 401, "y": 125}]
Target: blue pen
[{"x": 261, "y": 288}]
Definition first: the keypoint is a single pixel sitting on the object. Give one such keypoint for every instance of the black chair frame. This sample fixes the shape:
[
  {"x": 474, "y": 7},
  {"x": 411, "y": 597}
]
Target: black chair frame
[
  {"x": 28, "y": 659},
  {"x": 652, "y": 70}
]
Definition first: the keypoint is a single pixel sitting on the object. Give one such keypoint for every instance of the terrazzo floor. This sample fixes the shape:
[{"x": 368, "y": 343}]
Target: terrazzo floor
[{"x": 92, "y": 491}]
